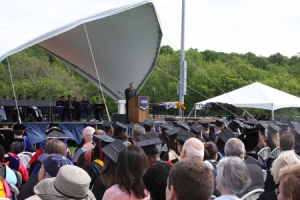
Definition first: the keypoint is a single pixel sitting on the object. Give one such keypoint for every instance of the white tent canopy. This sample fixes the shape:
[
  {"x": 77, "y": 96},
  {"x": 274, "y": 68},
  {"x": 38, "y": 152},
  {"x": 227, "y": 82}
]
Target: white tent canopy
[
  {"x": 125, "y": 41},
  {"x": 256, "y": 95}
]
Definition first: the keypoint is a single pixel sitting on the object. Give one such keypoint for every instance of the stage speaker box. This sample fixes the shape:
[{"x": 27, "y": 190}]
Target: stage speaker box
[{"x": 118, "y": 117}]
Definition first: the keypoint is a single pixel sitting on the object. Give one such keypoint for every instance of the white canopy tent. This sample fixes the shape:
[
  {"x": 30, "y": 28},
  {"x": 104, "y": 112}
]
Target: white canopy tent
[
  {"x": 125, "y": 41},
  {"x": 256, "y": 95}
]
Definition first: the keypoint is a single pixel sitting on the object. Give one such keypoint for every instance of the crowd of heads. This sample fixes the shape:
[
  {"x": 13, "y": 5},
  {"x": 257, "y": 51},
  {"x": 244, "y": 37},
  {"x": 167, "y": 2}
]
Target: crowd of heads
[{"x": 158, "y": 161}]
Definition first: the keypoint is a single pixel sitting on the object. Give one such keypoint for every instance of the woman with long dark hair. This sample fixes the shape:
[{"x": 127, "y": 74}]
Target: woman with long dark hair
[{"x": 131, "y": 166}]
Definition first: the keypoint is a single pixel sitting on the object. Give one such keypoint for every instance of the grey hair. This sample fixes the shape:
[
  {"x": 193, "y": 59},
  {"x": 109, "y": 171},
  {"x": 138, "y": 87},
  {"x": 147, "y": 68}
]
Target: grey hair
[
  {"x": 88, "y": 131},
  {"x": 137, "y": 131},
  {"x": 234, "y": 147},
  {"x": 286, "y": 158},
  {"x": 233, "y": 174}
]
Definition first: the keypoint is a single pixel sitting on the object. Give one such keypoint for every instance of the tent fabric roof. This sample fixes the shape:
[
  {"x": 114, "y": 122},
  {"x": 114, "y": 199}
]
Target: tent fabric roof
[
  {"x": 256, "y": 95},
  {"x": 125, "y": 41}
]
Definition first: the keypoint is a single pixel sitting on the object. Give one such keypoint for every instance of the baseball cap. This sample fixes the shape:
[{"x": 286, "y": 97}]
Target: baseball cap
[{"x": 53, "y": 162}]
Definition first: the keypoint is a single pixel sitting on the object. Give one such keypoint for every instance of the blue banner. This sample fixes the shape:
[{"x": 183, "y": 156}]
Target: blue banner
[{"x": 143, "y": 102}]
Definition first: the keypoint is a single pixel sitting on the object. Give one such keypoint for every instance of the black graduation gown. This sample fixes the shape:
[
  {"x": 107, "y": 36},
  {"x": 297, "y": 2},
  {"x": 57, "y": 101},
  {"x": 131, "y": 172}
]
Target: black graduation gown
[
  {"x": 27, "y": 190},
  {"x": 94, "y": 170},
  {"x": 98, "y": 189}
]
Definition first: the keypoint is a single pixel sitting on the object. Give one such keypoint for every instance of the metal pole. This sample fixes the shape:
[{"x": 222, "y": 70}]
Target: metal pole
[{"x": 182, "y": 63}]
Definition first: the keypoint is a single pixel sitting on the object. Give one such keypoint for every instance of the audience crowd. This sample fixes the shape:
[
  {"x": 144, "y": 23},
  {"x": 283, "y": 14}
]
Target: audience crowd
[{"x": 175, "y": 161}]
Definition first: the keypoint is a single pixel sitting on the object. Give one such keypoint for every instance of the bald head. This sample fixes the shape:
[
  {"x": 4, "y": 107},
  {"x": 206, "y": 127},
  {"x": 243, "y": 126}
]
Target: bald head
[
  {"x": 235, "y": 147},
  {"x": 192, "y": 148},
  {"x": 99, "y": 132}
]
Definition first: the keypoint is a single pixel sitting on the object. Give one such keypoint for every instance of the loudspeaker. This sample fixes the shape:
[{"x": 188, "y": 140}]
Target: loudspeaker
[{"x": 119, "y": 117}]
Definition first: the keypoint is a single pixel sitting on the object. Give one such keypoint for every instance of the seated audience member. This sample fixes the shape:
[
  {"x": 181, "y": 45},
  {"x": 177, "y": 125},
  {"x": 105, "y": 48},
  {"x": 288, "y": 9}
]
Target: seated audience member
[
  {"x": 94, "y": 168},
  {"x": 70, "y": 109},
  {"x": 289, "y": 178},
  {"x": 149, "y": 125},
  {"x": 71, "y": 182},
  {"x": 183, "y": 184},
  {"x": 192, "y": 148},
  {"x": 95, "y": 154},
  {"x": 136, "y": 133},
  {"x": 151, "y": 144},
  {"x": 211, "y": 155},
  {"x": 99, "y": 108},
  {"x": 6, "y": 172},
  {"x": 284, "y": 159},
  {"x": 233, "y": 177},
  {"x": 286, "y": 144},
  {"x": 107, "y": 128},
  {"x": 85, "y": 108},
  {"x": 120, "y": 132},
  {"x": 297, "y": 141},
  {"x": 9, "y": 158},
  {"x": 106, "y": 179},
  {"x": 235, "y": 148},
  {"x": 155, "y": 180},
  {"x": 220, "y": 141},
  {"x": 21, "y": 143},
  {"x": 52, "y": 146},
  {"x": 131, "y": 166},
  {"x": 87, "y": 142},
  {"x": 50, "y": 164},
  {"x": 273, "y": 139}
]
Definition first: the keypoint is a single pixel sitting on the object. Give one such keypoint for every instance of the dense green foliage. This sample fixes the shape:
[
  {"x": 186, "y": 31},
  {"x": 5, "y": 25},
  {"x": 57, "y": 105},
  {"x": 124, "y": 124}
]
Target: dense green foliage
[{"x": 37, "y": 73}]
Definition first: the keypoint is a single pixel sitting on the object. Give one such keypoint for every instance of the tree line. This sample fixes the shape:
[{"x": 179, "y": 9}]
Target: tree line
[{"x": 38, "y": 73}]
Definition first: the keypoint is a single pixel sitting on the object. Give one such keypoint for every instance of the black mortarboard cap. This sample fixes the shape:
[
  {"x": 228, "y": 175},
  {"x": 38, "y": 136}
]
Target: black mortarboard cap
[
  {"x": 148, "y": 136},
  {"x": 150, "y": 146},
  {"x": 250, "y": 138},
  {"x": 55, "y": 134},
  {"x": 225, "y": 135},
  {"x": 107, "y": 123},
  {"x": 123, "y": 126},
  {"x": 165, "y": 126},
  {"x": 189, "y": 122},
  {"x": 297, "y": 130},
  {"x": 183, "y": 125},
  {"x": 183, "y": 135},
  {"x": 104, "y": 138},
  {"x": 219, "y": 122},
  {"x": 173, "y": 131},
  {"x": 113, "y": 150},
  {"x": 278, "y": 123},
  {"x": 197, "y": 128},
  {"x": 235, "y": 123},
  {"x": 284, "y": 126},
  {"x": 204, "y": 124},
  {"x": 274, "y": 128},
  {"x": 18, "y": 127},
  {"x": 131, "y": 125},
  {"x": 148, "y": 122},
  {"x": 6, "y": 138}
]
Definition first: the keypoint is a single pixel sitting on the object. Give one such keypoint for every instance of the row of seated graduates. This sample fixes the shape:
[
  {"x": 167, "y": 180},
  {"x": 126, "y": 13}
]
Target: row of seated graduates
[{"x": 71, "y": 109}]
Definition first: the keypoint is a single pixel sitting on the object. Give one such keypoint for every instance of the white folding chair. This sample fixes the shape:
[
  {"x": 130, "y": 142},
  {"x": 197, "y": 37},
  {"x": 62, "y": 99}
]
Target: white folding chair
[
  {"x": 29, "y": 154},
  {"x": 253, "y": 195},
  {"x": 212, "y": 197},
  {"x": 264, "y": 153},
  {"x": 24, "y": 159},
  {"x": 275, "y": 153}
]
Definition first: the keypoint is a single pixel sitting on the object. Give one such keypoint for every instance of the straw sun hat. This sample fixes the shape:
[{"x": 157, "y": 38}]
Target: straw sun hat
[{"x": 71, "y": 182}]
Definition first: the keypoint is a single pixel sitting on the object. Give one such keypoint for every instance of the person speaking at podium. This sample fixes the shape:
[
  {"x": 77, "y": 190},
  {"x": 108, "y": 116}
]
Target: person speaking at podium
[{"x": 129, "y": 93}]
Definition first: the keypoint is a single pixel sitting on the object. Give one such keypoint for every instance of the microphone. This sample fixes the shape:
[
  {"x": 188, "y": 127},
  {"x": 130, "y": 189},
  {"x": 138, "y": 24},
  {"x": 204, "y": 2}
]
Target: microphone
[{"x": 122, "y": 94}]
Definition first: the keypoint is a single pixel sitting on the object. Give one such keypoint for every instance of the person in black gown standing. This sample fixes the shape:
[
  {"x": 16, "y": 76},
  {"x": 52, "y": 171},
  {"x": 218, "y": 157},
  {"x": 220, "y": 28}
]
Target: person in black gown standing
[{"x": 129, "y": 93}]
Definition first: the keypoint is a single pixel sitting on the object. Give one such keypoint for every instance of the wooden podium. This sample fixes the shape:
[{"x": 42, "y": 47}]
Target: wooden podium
[{"x": 135, "y": 113}]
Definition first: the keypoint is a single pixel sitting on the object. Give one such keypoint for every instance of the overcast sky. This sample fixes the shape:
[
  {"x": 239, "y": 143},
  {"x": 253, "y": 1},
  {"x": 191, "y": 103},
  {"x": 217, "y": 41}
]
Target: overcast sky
[{"x": 263, "y": 27}]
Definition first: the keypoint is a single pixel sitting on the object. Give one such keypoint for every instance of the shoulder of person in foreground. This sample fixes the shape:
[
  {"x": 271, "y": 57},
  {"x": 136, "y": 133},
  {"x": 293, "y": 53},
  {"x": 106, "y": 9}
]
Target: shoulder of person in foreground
[{"x": 115, "y": 193}]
